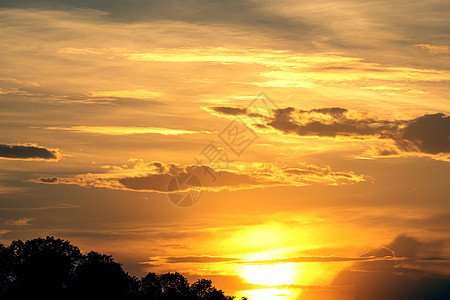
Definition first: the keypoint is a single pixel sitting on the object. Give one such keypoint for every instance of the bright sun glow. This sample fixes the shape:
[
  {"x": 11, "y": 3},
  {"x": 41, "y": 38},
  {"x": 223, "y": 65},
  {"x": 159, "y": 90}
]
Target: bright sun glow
[
  {"x": 271, "y": 275},
  {"x": 271, "y": 294}
]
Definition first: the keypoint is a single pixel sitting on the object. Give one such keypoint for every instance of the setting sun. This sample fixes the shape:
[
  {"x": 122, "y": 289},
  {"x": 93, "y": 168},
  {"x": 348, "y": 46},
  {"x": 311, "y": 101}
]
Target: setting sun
[
  {"x": 274, "y": 150},
  {"x": 270, "y": 275}
]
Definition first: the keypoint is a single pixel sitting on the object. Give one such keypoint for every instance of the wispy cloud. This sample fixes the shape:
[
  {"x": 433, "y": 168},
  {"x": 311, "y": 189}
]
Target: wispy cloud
[
  {"x": 138, "y": 94},
  {"x": 19, "y": 81},
  {"x": 434, "y": 49},
  {"x": 122, "y": 130},
  {"x": 33, "y": 208},
  {"x": 4, "y": 189},
  {"x": 19, "y": 222},
  {"x": 284, "y": 68}
]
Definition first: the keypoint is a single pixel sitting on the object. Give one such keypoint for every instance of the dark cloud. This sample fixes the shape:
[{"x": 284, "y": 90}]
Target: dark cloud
[
  {"x": 406, "y": 246},
  {"x": 226, "y": 110},
  {"x": 429, "y": 134},
  {"x": 394, "y": 283},
  {"x": 400, "y": 278},
  {"x": 48, "y": 179},
  {"x": 28, "y": 152},
  {"x": 244, "y": 12},
  {"x": 310, "y": 123}
]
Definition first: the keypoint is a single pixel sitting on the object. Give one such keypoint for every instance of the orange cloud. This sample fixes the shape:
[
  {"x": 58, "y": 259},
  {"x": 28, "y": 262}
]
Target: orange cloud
[
  {"x": 157, "y": 177},
  {"x": 427, "y": 135},
  {"x": 434, "y": 49}
]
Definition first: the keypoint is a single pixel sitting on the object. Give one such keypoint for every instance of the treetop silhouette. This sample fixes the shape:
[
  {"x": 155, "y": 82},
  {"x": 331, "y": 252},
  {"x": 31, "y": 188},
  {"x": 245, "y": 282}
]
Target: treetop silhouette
[{"x": 52, "y": 267}]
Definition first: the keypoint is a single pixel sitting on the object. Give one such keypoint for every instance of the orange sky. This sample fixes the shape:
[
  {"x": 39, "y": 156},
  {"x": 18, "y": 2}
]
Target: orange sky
[{"x": 312, "y": 139}]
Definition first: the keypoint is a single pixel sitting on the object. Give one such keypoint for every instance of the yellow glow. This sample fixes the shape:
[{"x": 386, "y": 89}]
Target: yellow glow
[
  {"x": 139, "y": 94},
  {"x": 271, "y": 294},
  {"x": 117, "y": 130},
  {"x": 272, "y": 275}
]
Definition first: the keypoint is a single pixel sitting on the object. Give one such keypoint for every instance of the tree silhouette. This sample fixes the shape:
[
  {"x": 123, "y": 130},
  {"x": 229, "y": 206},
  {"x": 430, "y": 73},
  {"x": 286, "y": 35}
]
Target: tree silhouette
[
  {"x": 99, "y": 275},
  {"x": 151, "y": 287},
  {"x": 204, "y": 290},
  {"x": 41, "y": 266},
  {"x": 53, "y": 268},
  {"x": 6, "y": 270},
  {"x": 174, "y": 286}
]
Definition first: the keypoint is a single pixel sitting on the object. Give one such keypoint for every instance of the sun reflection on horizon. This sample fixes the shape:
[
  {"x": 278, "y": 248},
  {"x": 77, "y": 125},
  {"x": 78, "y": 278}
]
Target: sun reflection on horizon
[
  {"x": 270, "y": 274},
  {"x": 271, "y": 294}
]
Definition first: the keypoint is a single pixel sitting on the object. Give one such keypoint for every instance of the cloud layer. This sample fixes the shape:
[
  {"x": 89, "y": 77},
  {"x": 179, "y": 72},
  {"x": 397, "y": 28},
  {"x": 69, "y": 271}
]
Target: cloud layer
[
  {"x": 407, "y": 278},
  {"x": 159, "y": 177}
]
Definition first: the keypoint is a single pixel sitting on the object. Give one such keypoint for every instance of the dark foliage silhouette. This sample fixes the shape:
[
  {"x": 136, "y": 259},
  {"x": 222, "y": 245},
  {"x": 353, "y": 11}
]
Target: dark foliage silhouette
[
  {"x": 99, "y": 275},
  {"x": 53, "y": 268}
]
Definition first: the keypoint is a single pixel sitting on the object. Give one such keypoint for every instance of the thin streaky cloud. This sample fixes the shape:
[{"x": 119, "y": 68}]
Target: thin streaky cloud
[{"x": 128, "y": 130}]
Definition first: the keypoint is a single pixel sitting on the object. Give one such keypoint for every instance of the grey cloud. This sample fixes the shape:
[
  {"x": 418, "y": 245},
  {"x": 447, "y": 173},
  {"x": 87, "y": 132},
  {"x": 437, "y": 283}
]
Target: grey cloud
[
  {"x": 406, "y": 246},
  {"x": 428, "y": 134},
  {"x": 48, "y": 179},
  {"x": 341, "y": 125},
  {"x": 227, "y": 110},
  {"x": 243, "y": 12},
  {"x": 170, "y": 178},
  {"x": 398, "y": 278},
  {"x": 396, "y": 283},
  {"x": 195, "y": 176},
  {"x": 27, "y": 152}
]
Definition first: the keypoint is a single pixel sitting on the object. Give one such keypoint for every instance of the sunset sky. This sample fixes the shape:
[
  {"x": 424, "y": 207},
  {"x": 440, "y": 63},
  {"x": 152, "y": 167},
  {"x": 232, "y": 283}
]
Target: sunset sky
[{"x": 284, "y": 149}]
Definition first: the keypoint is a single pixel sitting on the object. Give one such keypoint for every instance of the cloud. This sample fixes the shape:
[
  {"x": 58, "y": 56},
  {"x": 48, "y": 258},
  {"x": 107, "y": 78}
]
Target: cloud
[
  {"x": 234, "y": 111},
  {"x": 15, "y": 91},
  {"x": 198, "y": 259},
  {"x": 427, "y": 134},
  {"x": 282, "y": 68},
  {"x": 19, "y": 81},
  {"x": 5, "y": 189},
  {"x": 434, "y": 49},
  {"x": 288, "y": 68},
  {"x": 57, "y": 206},
  {"x": 327, "y": 122},
  {"x": 397, "y": 278},
  {"x": 122, "y": 130},
  {"x": 406, "y": 246},
  {"x": 28, "y": 152},
  {"x": 137, "y": 94},
  {"x": 216, "y": 259},
  {"x": 162, "y": 178},
  {"x": 19, "y": 222}
]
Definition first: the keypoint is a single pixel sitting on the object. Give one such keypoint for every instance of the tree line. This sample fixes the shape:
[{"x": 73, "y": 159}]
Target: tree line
[{"x": 53, "y": 268}]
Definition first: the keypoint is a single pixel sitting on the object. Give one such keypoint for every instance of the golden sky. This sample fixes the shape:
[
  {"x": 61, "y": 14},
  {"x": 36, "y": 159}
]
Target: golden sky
[{"x": 284, "y": 149}]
